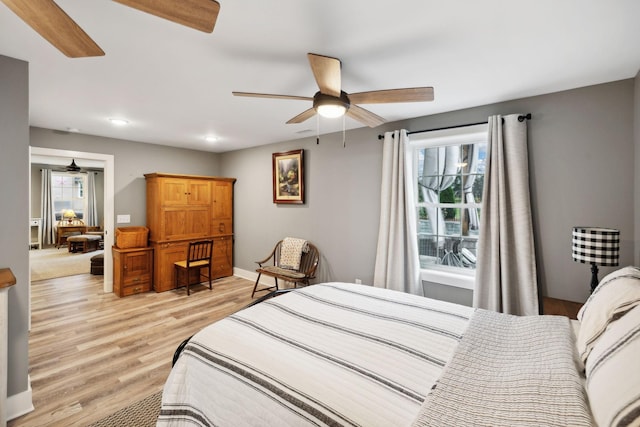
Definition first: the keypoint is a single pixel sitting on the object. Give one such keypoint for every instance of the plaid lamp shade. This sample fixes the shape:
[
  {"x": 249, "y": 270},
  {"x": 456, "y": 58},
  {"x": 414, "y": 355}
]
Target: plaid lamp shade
[{"x": 595, "y": 245}]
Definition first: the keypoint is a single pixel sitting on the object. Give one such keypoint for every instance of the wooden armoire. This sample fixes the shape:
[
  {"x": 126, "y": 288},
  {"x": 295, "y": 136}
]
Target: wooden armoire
[{"x": 184, "y": 208}]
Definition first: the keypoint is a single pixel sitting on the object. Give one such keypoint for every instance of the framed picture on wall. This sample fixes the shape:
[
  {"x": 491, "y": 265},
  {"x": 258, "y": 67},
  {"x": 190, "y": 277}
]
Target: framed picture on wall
[{"x": 288, "y": 177}]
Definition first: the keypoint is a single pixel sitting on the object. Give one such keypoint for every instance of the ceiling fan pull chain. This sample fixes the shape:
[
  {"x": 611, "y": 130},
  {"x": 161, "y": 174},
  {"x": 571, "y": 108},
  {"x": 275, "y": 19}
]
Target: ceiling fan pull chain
[
  {"x": 317, "y": 129},
  {"x": 344, "y": 133}
]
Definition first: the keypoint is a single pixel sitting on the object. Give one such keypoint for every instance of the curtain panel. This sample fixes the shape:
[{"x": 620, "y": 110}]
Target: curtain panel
[
  {"x": 92, "y": 209},
  {"x": 506, "y": 269},
  {"x": 46, "y": 208},
  {"x": 397, "y": 265}
]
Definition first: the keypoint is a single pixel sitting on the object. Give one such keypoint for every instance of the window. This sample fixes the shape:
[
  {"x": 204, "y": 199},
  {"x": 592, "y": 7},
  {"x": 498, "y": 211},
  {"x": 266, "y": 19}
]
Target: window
[
  {"x": 68, "y": 192},
  {"x": 449, "y": 168}
]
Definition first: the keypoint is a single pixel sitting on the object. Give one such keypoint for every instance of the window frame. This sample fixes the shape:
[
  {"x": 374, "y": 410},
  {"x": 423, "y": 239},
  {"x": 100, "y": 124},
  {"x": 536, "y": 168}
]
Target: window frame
[
  {"x": 446, "y": 275},
  {"x": 79, "y": 193}
]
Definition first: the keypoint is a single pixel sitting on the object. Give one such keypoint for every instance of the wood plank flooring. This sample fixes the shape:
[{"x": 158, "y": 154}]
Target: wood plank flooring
[{"x": 92, "y": 353}]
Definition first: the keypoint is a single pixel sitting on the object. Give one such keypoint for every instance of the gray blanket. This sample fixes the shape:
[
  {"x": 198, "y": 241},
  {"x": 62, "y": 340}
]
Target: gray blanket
[{"x": 510, "y": 371}]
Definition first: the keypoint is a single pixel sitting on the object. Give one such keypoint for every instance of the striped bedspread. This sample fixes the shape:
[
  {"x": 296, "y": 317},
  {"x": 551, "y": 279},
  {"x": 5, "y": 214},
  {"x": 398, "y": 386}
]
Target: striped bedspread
[{"x": 328, "y": 354}]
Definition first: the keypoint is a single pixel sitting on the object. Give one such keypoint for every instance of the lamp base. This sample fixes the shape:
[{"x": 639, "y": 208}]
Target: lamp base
[{"x": 594, "y": 276}]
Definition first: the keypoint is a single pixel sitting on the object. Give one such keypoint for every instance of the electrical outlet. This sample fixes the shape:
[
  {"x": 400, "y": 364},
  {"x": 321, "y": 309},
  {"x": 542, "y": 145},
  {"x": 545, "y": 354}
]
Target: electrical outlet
[{"x": 358, "y": 282}]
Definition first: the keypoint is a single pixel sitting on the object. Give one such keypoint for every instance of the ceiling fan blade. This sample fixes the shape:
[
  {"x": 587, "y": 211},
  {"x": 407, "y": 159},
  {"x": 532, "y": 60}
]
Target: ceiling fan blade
[
  {"x": 415, "y": 94},
  {"x": 52, "y": 23},
  {"x": 198, "y": 14},
  {"x": 267, "y": 95},
  {"x": 326, "y": 70},
  {"x": 307, "y": 114},
  {"x": 364, "y": 116}
]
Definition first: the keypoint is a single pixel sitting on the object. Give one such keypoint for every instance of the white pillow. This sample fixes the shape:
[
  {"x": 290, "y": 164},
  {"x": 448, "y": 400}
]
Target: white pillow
[
  {"x": 613, "y": 374},
  {"x": 617, "y": 293}
]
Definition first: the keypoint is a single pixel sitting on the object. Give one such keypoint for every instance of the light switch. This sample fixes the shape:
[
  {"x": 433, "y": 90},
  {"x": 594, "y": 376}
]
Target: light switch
[{"x": 123, "y": 219}]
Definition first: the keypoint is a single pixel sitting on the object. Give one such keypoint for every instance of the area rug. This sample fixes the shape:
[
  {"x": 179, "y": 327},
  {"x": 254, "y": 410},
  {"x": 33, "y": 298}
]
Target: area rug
[
  {"x": 141, "y": 414},
  {"x": 52, "y": 262}
]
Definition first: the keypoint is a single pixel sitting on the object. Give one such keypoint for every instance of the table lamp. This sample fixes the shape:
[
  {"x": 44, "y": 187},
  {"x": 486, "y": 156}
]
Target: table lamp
[
  {"x": 598, "y": 246},
  {"x": 69, "y": 214}
]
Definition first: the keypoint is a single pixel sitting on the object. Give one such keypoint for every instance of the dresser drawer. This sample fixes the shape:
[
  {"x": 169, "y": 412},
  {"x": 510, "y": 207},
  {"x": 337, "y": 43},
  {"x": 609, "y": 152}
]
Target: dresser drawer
[
  {"x": 136, "y": 279},
  {"x": 136, "y": 288}
]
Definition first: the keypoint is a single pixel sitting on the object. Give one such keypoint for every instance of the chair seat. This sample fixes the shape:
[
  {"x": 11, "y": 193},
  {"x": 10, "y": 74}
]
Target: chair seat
[
  {"x": 183, "y": 264},
  {"x": 279, "y": 271}
]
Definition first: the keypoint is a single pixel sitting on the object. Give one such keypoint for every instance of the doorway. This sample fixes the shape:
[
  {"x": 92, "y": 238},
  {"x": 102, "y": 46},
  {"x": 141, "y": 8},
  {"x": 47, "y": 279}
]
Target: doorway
[{"x": 107, "y": 163}]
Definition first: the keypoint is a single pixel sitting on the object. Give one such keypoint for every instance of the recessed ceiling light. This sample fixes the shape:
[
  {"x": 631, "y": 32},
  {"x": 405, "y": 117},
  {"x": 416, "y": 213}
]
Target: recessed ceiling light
[
  {"x": 211, "y": 138},
  {"x": 119, "y": 122}
]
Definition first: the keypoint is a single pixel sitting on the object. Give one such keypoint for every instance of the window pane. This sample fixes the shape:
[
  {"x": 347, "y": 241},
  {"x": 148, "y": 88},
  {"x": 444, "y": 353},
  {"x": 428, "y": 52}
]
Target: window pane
[
  {"x": 68, "y": 192},
  {"x": 478, "y": 187},
  {"x": 451, "y": 221},
  {"x": 449, "y": 177},
  {"x": 470, "y": 222}
]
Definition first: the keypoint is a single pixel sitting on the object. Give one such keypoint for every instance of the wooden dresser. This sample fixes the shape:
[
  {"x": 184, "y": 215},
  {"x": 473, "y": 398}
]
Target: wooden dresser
[
  {"x": 184, "y": 208},
  {"x": 132, "y": 270}
]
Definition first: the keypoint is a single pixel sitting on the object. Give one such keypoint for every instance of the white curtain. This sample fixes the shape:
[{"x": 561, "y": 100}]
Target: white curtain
[
  {"x": 506, "y": 268},
  {"x": 91, "y": 217},
  {"x": 472, "y": 160},
  {"x": 397, "y": 265},
  {"x": 439, "y": 173},
  {"x": 46, "y": 208}
]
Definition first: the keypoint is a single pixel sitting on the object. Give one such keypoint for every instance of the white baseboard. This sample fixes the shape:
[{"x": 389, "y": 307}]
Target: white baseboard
[
  {"x": 21, "y": 403},
  {"x": 264, "y": 280},
  {"x": 252, "y": 276}
]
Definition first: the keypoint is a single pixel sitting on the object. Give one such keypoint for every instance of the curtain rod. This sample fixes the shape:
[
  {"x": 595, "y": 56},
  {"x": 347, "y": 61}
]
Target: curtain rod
[{"x": 521, "y": 118}]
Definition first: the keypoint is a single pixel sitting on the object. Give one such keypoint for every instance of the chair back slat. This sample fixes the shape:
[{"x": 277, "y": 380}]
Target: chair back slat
[
  {"x": 200, "y": 251},
  {"x": 276, "y": 254},
  {"x": 308, "y": 260}
]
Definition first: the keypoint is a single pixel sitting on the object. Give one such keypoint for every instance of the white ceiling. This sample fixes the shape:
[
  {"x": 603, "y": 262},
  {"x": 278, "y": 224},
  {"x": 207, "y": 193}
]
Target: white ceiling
[{"x": 174, "y": 83}]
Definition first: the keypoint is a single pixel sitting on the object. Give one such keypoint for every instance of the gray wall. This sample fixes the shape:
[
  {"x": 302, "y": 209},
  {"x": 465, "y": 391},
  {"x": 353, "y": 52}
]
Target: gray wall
[
  {"x": 582, "y": 170},
  {"x": 14, "y": 229},
  {"x": 342, "y": 206},
  {"x": 132, "y": 161},
  {"x": 636, "y": 193}
]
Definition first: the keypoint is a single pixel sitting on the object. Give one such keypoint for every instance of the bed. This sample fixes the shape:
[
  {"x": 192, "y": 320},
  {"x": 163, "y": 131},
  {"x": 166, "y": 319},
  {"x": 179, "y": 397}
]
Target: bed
[{"x": 340, "y": 354}]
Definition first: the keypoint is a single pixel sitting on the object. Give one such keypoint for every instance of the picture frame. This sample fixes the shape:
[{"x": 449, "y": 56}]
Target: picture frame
[{"x": 288, "y": 177}]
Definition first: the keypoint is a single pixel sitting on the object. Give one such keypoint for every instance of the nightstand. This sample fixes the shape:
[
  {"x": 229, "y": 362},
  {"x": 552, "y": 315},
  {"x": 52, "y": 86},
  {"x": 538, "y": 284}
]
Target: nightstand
[{"x": 560, "y": 307}]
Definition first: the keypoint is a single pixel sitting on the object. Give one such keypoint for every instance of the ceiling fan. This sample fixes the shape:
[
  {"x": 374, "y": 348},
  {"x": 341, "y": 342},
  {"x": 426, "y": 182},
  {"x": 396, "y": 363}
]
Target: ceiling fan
[
  {"x": 52, "y": 23},
  {"x": 332, "y": 101},
  {"x": 72, "y": 167}
]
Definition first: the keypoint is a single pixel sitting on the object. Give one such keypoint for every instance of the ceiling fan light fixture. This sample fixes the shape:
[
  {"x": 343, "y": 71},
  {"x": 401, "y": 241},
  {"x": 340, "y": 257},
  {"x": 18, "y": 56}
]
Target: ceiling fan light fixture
[
  {"x": 118, "y": 122},
  {"x": 331, "y": 111},
  {"x": 331, "y": 106}
]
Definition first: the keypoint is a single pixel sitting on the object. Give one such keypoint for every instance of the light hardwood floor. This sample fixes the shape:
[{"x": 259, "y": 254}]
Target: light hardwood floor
[{"x": 92, "y": 353}]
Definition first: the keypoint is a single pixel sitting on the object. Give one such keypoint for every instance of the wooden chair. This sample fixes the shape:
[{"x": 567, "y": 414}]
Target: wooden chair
[
  {"x": 306, "y": 271},
  {"x": 189, "y": 271}
]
